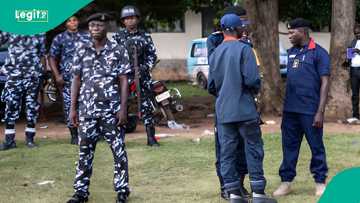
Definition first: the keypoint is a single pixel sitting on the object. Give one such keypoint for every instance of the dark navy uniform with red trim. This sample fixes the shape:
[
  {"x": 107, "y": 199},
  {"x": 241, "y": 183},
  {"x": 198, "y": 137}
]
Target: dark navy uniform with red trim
[{"x": 305, "y": 67}]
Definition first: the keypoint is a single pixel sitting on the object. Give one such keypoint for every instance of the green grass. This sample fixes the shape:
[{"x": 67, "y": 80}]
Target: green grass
[
  {"x": 178, "y": 171},
  {"x": 187, "y": 89}
]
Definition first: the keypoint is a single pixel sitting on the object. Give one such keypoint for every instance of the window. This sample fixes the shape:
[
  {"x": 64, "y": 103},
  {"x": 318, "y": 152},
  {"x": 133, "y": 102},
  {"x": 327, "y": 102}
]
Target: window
[
  {"x": 165, "y": 26},
  {"x": 199, "y": 50}
]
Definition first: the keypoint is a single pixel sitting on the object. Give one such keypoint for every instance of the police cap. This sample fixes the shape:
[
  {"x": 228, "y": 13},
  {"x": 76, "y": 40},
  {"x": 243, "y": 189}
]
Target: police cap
[
  {"x": 298, "y": 22},
  {"x": 103, "y": 17}
]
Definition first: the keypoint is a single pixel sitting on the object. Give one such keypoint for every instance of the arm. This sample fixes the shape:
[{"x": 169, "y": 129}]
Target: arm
[
  {"x": 150, "y": 53},
  {"x": 319, "y": 116},
  {"x": 123, "y": 88},
  {"x": 75, "y": 89},
  {"x": 55, "y": 52},
  {"x": 250, "y": 71}
]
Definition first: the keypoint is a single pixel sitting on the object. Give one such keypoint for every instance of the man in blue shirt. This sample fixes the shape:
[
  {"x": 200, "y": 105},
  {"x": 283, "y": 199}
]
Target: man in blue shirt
[
  {"x": 213, "y": 41},
  {"x": 234, "y": 75},
  {"x": 304, "y": 106}
]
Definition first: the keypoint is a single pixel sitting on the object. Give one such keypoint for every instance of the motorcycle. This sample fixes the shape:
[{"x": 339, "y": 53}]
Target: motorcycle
[{"x": 164, "y": 102}]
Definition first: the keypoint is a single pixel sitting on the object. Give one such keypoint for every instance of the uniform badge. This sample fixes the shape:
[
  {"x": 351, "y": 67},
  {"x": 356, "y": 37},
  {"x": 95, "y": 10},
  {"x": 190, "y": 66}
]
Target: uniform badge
[{"x": 296, "y": 63}]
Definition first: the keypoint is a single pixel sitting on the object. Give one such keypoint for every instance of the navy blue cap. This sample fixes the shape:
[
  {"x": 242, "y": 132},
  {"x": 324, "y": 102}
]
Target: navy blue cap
[
  {"x": 298, "y": 22},
  {"x": 231, "y": 21},
  {"x": 103, "y": 17}
]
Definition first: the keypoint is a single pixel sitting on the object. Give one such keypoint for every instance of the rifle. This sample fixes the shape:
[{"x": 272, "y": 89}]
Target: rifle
[{"x": 137, "y": 79}]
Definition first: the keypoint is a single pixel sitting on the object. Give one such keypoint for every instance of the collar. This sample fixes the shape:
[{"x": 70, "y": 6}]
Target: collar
[
  {"x": 107, "y": 45},
  {"x": 312, "y": 44}
]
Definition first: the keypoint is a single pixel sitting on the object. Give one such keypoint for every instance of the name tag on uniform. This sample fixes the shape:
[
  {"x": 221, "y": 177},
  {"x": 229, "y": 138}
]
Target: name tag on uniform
[
  {"x": 296, "y": 63},
  {"x": 292, "y": 56}
]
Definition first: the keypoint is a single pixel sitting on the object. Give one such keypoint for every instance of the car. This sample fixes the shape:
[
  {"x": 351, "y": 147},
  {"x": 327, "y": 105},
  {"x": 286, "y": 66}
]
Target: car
[{"x": 198, "y": 67}]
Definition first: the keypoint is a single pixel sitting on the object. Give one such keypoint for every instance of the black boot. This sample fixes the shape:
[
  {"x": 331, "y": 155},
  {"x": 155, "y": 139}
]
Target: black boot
[
  {"x": 243, "y": 191},
  {"x": 151, "y": 141},
  {"x": 263, "y": 199},
  {"x": 74, "y": 136},
  {"x": 76, "y": 198},
  {"x": 29, "y": 141},
  {"x": 122, "y": 197},
  {"x": 9, "y": 142}
]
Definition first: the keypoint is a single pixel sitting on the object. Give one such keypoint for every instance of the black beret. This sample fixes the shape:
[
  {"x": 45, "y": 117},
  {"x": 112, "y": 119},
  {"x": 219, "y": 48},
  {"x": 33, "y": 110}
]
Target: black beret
[
  {"x": 298, "y": 22},
  {"x": 103, "y": 17},
  {"x": 237, "y": 10}
]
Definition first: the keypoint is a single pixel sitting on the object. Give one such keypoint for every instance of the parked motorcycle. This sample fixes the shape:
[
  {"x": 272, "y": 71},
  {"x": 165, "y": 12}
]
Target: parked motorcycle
[{"x": 165, "y": 102}]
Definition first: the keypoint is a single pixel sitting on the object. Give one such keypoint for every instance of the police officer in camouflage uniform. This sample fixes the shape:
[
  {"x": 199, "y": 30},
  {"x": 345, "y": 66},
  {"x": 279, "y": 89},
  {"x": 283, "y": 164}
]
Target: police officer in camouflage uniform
[
  {"x": 61, "y": 55},
  {"x": 128, "y": 37},
  {"x": 23, "y": 69},
  {"x": 100, "y": 90}
]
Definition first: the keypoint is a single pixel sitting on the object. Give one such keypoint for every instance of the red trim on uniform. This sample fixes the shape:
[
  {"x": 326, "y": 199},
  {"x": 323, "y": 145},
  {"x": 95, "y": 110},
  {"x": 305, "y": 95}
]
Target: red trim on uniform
[{"x": 312, "y": 44}]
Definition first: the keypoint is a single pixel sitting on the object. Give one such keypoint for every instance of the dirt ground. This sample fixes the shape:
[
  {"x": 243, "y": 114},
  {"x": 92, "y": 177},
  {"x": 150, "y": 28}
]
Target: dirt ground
[{"x": 197, "y": 114}]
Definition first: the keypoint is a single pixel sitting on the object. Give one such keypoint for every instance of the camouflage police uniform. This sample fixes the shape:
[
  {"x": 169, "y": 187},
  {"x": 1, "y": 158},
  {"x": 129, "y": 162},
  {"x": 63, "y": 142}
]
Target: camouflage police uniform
[
  {"x": 63, "y": 48},
  {"x": 146, "y": 58},
  {"x": 98, "y": 103},
  {"x": 23, "y": 69}
]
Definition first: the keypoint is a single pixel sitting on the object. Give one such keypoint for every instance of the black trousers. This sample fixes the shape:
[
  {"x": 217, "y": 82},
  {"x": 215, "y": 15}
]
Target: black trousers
[{"x": 355, "y": 86}]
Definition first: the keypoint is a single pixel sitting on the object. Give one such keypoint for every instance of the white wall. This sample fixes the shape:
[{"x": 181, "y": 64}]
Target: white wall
[{"x": 176, "y": 45}]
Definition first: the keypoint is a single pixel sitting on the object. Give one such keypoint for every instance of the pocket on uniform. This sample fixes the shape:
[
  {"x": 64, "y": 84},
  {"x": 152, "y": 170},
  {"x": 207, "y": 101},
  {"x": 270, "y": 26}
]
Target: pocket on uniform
[{"x": 308, "y": 92}]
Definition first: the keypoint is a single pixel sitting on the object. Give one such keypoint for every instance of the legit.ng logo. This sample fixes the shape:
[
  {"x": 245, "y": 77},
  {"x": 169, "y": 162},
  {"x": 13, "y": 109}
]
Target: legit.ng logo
[{"x": 32, "y": 16}]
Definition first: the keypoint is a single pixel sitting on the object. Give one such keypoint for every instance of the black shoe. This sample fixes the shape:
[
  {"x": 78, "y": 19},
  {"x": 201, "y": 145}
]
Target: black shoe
[
  {"x": 76, "y": 198},
  {"x": 122, "y": 197},
  {"x": 31, "y": 145},
  {"x": 263, "y": 199},
  {"x": 238, "y": 199},
  {"x": 6, "y": 146},
  {"x": 151, "y": 141}
]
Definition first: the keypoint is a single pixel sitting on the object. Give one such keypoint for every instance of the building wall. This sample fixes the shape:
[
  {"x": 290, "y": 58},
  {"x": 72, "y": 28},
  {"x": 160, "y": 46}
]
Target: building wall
[{"x": 176, "y": 45}]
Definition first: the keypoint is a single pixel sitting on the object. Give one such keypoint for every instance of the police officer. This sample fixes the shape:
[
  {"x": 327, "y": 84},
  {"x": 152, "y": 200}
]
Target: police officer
[
  {"x": 61, "y": 55},
  {"x": 213, "y": 41},
  {"x": 23, "y": 69},
  {"x": 234, "y": 75},
  {"x": 128, "y": 37},
  {"x": 100, "y": 90},
  {"x": 304, "y": 106}
]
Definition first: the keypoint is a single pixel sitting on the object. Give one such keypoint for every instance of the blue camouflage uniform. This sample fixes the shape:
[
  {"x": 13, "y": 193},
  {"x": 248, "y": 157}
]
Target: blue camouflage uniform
[
  {"x": 213, "y": 41},
  {"x": 147, "y": 58},
  {"x": 235, "y": 78},
  {"x": 63, "y": 49},
  {"x": 305, "y": 67},
  {"x": 98, "y": 103},
  {"x": 24, "y": 70}
]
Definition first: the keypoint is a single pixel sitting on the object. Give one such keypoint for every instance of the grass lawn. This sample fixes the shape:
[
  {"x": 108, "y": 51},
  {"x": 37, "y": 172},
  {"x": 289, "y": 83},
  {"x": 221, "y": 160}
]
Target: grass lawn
[
  {"x": 178, "y": 171},
  {"x": 188, "y": 90}
]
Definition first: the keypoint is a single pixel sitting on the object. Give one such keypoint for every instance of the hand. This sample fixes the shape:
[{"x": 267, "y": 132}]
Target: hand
[
  {"x": 318, "y": 120},
  {"x": 356, "y": 50},
  {"x": 59, "y": 82},
  {"x": 73, "y": 118},
  {"x": 122, "y": 117}
]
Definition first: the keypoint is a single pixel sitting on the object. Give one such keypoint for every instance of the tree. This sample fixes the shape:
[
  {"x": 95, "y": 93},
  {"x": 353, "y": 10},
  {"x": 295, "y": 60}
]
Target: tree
[
  {"x": 342, "y": 22},
  {"x": 263, "y": 15}
]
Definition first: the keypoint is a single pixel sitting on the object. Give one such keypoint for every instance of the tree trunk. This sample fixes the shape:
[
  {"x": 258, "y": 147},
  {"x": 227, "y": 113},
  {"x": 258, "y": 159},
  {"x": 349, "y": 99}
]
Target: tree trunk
[
  {"x": 263, "y": 15},
  {"x": 342, "y": 23}
]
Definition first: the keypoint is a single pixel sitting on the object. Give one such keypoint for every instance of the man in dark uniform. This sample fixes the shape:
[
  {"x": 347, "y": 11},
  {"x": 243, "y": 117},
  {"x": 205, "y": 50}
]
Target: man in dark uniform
[
  {"x": 128, "y": 37},
  {"x": 307, "y": 87},
  {"x": 213, "y": 41},
  {"x": 100, "y": 90},
  {"x": 23, "y": 69},
  {"x": 354, "y": 63},
  {"x": 61, "y": 56},
  {"x": 235, "y": 78}
]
